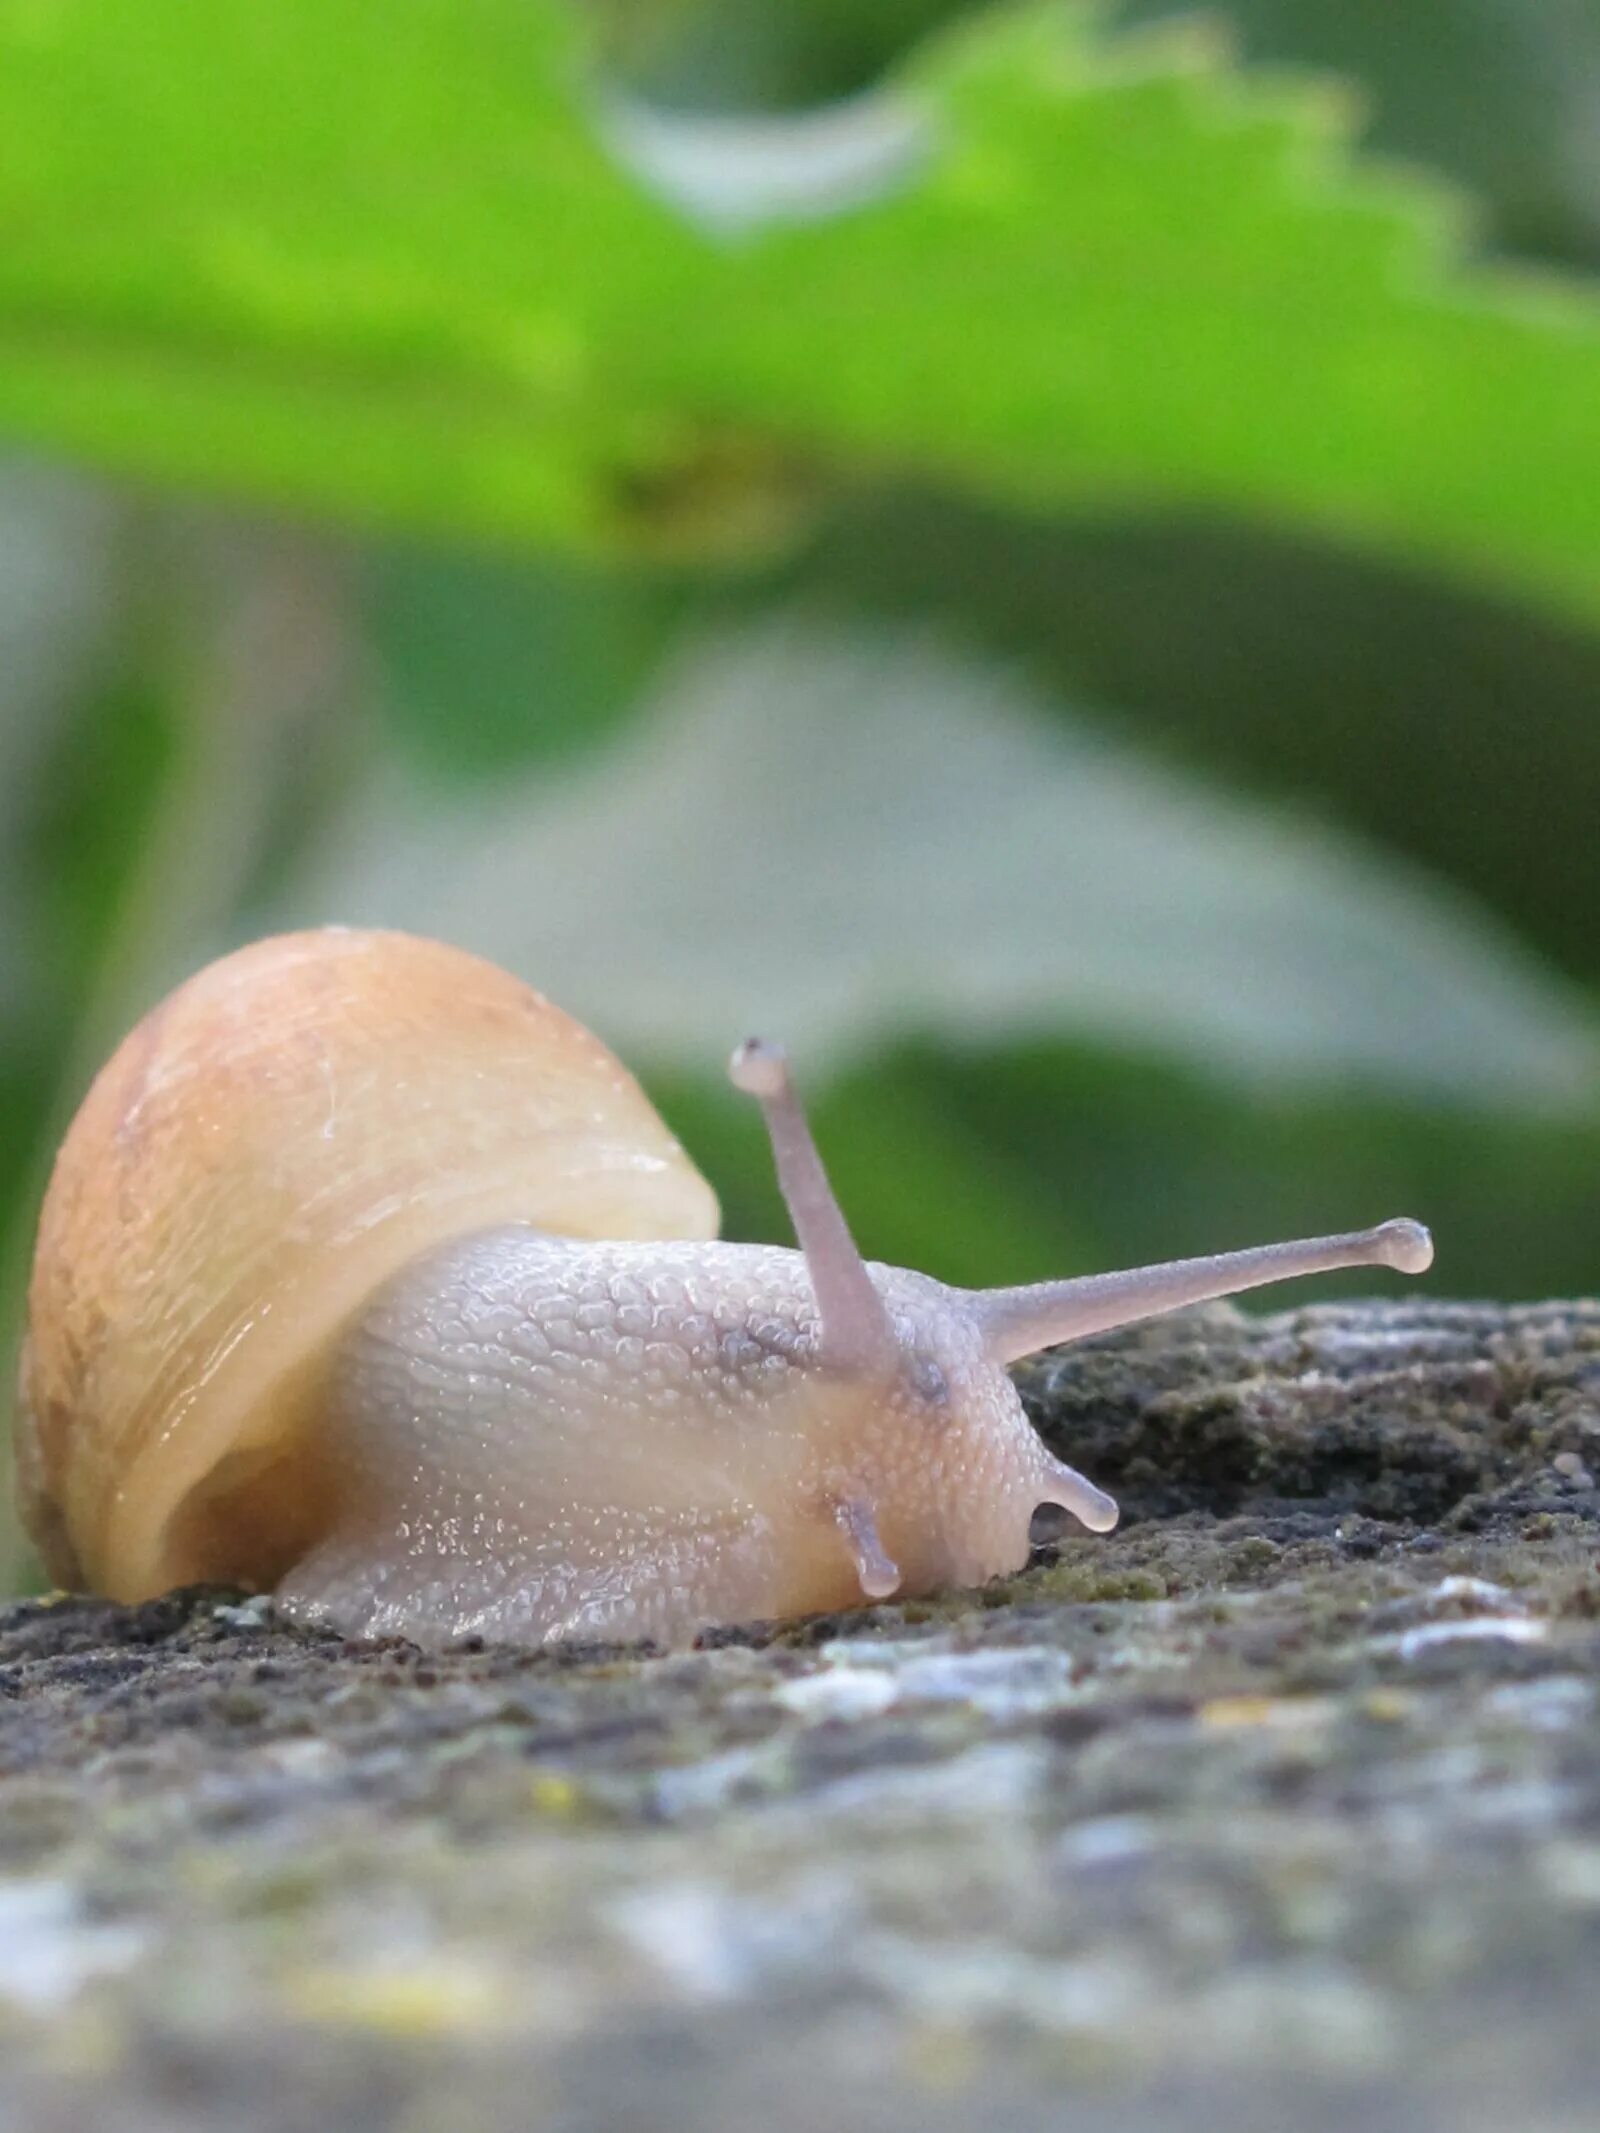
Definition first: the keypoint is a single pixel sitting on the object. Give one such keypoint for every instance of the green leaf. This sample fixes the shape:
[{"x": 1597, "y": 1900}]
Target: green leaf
[
  {"x": 922, "y": 1186},
  {"x": 1500, "y": 95},
  {"x": 56, "y": 567},
  {"x": 1054, "y": 1158},
  {"x": 376, "y": 261},
  {"x": 486, "y": 664},
  {"x": 1458, "y": 730},
  {"x": 1154, "y": 1162}
]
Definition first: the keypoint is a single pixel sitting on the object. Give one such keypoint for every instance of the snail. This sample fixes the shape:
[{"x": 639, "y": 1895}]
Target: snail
[{"x": 367, "y": 1276}]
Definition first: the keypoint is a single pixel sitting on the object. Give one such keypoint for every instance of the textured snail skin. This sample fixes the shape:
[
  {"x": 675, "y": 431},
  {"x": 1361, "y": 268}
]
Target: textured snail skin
[
  {"x": 367, "y": 1275},
  {"x": 535, "y": 1438}
]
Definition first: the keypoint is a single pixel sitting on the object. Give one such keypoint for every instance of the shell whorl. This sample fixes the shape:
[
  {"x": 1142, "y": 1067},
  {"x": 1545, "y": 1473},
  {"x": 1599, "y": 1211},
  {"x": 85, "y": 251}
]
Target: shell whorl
[{"x": 266, "y": 1148}]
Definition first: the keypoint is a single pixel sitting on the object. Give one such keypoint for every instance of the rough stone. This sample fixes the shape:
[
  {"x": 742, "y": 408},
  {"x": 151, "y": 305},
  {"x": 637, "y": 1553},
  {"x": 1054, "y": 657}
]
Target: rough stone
[{"x": 1280, "y": 1808}]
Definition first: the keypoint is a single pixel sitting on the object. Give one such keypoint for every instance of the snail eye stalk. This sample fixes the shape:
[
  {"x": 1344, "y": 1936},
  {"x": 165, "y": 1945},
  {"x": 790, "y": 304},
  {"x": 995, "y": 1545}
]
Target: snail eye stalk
[
  {"x": 856, "y": 1331},
  {"x": 1019, "y": 1322}
]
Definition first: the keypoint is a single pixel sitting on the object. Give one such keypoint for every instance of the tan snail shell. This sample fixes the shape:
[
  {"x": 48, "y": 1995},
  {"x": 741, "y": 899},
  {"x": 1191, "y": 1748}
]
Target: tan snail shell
[
  {"x": 267, "y": 1147},
  {"x": 366, "y": 1274}
]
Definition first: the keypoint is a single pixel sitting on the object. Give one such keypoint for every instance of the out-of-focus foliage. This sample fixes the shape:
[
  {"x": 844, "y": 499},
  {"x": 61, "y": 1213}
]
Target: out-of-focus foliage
[
  {"x": 1053, "y": 581},
  {"x": 380, "y": 261},
  {"x": 883, "y": 836}
]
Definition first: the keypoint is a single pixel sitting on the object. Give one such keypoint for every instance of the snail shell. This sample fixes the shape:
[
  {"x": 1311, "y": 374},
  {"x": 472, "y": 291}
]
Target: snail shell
[{"x": 272, "y": 1142}]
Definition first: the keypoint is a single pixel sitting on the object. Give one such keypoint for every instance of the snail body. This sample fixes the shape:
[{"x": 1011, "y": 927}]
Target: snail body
[{"x": 367, "y": 1276}]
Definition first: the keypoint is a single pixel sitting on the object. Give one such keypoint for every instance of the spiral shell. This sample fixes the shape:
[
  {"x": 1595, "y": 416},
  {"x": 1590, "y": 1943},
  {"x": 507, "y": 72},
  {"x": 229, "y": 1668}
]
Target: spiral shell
[{"x": 272, "y": 1142}]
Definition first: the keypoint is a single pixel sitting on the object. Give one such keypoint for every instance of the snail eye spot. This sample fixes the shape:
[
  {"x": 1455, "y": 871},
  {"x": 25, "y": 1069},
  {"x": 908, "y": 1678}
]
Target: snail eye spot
[{"x": 928, "y": 1381}]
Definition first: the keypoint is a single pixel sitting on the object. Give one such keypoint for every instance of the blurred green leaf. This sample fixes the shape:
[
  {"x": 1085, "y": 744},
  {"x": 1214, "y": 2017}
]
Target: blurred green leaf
[
  {"x": 726, "y": 54},
  {"x": 924, "y": 1185},
  {"x": 116, "y": 754},
  {"x": 1128, "y": 1160},
  {"x": 1499, "y": 94},
  {"x": 375, "y": 261},
  {"x": 55, "y": 599},
  {"x": 1154, "y": 1161},
  {"x": 483, "y": 663},
  {"x": 844, "y": 836},
  {"x": 1458, "y": 730},
  {"x": 57, "y": 617}
]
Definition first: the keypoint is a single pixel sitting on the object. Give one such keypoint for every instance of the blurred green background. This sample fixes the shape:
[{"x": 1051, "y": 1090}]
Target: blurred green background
[{"x": 1049, "y": 555}]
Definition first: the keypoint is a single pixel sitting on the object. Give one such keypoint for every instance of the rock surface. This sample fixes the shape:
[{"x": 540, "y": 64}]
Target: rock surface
[{"x": 1278, "y": 1810}]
